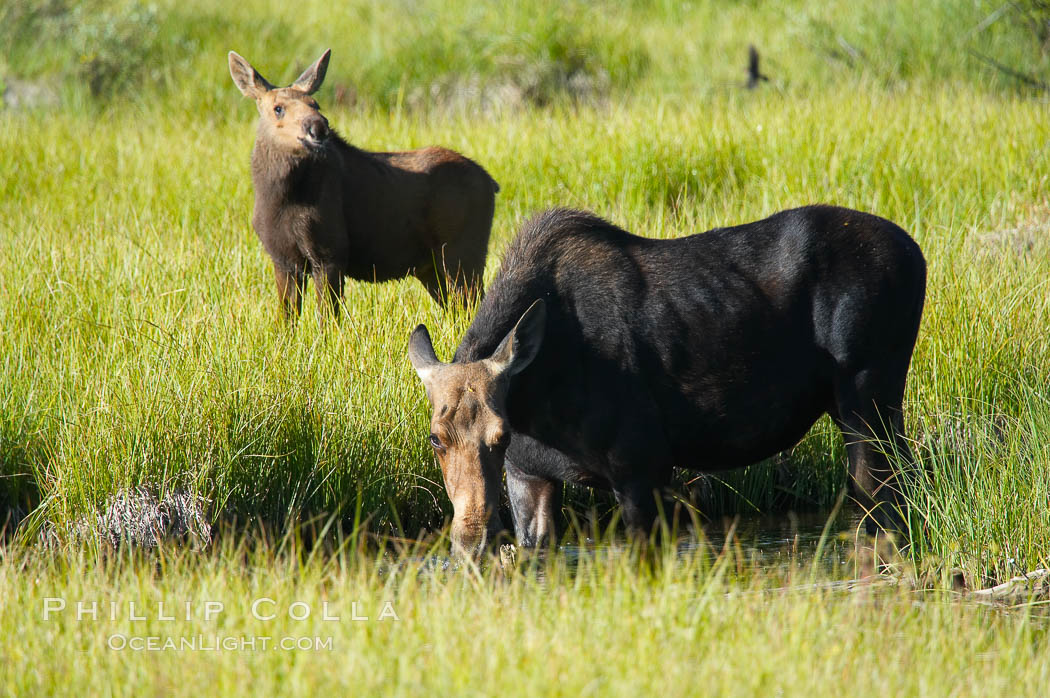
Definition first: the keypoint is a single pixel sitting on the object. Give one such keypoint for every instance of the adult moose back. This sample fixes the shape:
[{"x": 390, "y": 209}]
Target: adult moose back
[
  {"x": 327, "y": 209},
  {"x": 607, "y": 359}
]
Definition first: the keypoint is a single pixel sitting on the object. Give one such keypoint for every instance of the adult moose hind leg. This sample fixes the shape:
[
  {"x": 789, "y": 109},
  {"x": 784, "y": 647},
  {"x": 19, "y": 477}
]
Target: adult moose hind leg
[
  {"x": 868, "y": 411},
  {"x": 868, "y": 318}
]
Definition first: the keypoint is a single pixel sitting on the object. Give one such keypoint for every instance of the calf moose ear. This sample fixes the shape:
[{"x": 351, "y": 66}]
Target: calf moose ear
[
  {"x": 311, "y": 79},
  {"x": 246, "y": 78},
  {"x": 421, "y": 353},
  {"x": 520, "y": 346}
]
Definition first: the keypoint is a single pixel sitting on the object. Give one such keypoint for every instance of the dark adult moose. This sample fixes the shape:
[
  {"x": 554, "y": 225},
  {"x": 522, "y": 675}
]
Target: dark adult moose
[{"x": 606, "y": 359}]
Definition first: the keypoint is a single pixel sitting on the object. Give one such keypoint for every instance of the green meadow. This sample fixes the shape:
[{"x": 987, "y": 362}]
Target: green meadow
[
  {"x": 140, "y": 344},
  {"x": 603, "y": 628}
]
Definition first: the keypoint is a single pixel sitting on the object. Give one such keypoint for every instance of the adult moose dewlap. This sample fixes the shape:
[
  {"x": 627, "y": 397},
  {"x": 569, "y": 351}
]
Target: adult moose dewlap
[
  {"x": 327, "y": 209},
  {"x": 606, "y": 359}
]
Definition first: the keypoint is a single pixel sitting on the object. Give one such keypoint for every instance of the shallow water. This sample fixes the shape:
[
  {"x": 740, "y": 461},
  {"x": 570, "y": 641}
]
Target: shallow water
[
  {"x": 782, "y": 541},
  {"x": 775, "y": 542}
]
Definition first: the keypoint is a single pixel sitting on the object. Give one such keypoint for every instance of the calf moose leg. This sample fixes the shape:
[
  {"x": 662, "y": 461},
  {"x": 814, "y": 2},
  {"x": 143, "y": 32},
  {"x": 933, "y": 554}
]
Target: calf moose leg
[
  {"x": 290, "y": 287},
  {"x": 463, "y": 267},
  {"x": 533, "y": 502},
  {"x": 434, "y": 281},
  {"x": 328, "y": 283}
]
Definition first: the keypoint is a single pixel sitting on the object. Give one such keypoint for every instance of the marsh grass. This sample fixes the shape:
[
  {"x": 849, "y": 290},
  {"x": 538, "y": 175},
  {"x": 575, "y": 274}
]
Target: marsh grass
[
  {"x": 139, "y": 341},
  {"x": 604, "y": 624},
  {"x": 140, "y": 346}
]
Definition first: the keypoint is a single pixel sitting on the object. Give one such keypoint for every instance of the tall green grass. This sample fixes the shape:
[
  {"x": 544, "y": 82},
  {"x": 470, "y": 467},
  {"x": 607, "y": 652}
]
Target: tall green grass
[
  {"x": 139, "y": 341},
  {"x": 690, "y": 625}
]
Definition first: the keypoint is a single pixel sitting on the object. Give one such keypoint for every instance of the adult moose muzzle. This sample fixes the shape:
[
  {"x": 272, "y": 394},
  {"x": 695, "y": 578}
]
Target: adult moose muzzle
[
  {"x": 606, "y": 359},
  {"x": 326, "y": 209}
]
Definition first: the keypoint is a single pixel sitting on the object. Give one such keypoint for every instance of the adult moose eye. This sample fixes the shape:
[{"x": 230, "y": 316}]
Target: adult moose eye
[
  {"x": 436, "y": 442},
  {"x": 279, "y": 111}
]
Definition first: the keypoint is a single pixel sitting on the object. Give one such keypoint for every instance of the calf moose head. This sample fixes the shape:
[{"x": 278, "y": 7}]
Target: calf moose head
[
  {"x": 288, "y": 116},
  {"x": 469, "y": 431}
]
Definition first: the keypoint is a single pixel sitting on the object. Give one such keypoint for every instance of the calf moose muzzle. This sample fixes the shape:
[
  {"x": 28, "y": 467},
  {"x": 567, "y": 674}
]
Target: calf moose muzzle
[{"x": 315, "y": 130}]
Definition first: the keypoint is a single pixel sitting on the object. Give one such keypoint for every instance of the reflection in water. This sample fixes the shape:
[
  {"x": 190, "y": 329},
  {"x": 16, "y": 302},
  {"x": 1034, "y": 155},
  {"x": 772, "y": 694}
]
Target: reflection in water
[
  {"x": 791, "y": 553},
  {"x": 775, "y": 543}
]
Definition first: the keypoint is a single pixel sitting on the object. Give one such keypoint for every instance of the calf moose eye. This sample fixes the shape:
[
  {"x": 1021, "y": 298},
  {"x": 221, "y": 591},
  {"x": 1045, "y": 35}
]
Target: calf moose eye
[
  {"x": 435, "y": 442},
  {"x": 279, "y": 111}
]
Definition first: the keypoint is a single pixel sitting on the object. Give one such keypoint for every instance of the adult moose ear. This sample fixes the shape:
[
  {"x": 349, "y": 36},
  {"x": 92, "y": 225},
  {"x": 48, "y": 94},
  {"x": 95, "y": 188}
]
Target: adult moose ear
[
  {"x": 246, "y": 78},
  {"x": 311, "y": 79},
  {"x": 522, "y": 343},
  {"x": 421, "y": 353}
]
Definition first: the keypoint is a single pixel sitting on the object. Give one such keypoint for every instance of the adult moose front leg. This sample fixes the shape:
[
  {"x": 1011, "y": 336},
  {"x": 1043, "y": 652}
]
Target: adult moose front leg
[
  {"x": 534, "y": 502},
  {"x": 534, "y": 484},
  {"x": 637, "y": 500},
  {"x": 638, "y": 489}
]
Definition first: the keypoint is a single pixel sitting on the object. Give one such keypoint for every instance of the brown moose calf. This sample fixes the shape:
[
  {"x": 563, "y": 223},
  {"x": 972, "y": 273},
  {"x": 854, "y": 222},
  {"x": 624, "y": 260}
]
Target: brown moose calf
[{"x": 328, "y": 209}]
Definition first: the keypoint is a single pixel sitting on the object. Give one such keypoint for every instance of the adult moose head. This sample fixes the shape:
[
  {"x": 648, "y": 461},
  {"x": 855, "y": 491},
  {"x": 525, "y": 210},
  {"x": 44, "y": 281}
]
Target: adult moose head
[
  {"x": 469, "y": 431},
  {"x": 327, "y": 209},
  {"x": 606, "y": 359}
]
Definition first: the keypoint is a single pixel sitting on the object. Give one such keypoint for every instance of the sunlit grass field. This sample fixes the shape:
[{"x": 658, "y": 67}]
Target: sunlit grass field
[
  {"x": 140, "y": 341},
  {"x": 606, "y": 627}
]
